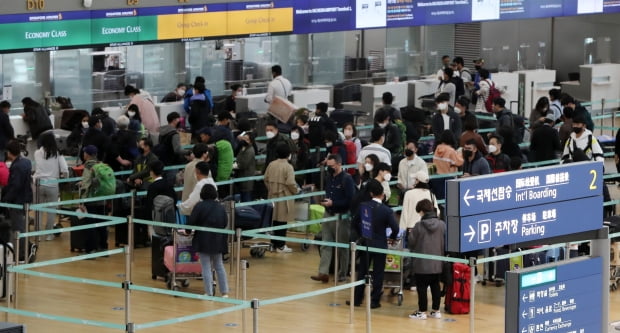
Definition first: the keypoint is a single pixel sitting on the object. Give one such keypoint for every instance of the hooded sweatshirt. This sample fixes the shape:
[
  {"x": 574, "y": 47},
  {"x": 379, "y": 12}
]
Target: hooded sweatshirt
[
  {"x": 446, "y": 159},
  {"x": 428, "y": 237},
  {"x": 595, "y": 153}
]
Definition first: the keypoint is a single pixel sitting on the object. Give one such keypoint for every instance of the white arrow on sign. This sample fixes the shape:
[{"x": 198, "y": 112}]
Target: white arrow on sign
[
  {"x": 467, "y": 197},
  {"x": 524, "y": 330},
  {"x": 524, "y": 298},
  {"x": 524, "y": 314},
  {"x": 471, "y": 233}
]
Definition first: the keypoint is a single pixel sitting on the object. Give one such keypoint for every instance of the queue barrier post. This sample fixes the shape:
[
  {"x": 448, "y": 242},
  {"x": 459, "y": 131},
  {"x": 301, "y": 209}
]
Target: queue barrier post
[
  {"x": 368, "y": 301},
  {"x": 472, "y": 293},
  {"x": 244, "y": 276},
  {"x": 336, "y": 263},
  {"x": 238, "y": 261},
  {"x": 255, "y": 305},
  {"x": 352, "y": 247}
]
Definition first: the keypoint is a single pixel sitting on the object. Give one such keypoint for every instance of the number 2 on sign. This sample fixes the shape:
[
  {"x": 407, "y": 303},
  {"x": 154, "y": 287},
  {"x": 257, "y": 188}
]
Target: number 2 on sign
[{"x": 593, "y": 183}]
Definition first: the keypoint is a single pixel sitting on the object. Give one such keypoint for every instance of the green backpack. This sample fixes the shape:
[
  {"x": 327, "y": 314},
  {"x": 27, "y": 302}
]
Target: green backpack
[{"x": 104, "y": 182}]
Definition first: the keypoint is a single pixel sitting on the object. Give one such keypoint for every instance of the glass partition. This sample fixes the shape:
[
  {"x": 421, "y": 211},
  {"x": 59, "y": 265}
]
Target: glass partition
[
  {"x": 207, "y": 59},
  {"x": 18, "y": 71},
  {"x": 328, "y": 61},
  {"x": 72, "y": 76},
  {"x": 403, "y": 58}
]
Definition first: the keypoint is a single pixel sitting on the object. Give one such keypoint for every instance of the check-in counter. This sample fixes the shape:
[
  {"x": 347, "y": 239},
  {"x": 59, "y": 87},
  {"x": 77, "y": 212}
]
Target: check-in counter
[
  {"x": 372, "y": 95},
  {"x": 418, "y": 88},
  {"x": 309, "y": 98},
  {"x": 508, "y": 84},
  {"x": 327, "y": 87},
  {"x": 20, "y": 127},
  {"x": 254, "y": 102},
  {"x": 164, "y": 109},
  {"x": 597, "y": 82},
  {"x": 536, "y": 84}
]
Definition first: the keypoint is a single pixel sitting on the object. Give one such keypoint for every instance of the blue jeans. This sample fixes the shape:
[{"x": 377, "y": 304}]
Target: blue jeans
[{"x": 207, "y": 273}]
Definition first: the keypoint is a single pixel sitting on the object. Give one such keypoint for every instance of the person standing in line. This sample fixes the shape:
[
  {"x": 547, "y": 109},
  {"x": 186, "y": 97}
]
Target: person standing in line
[
  {"x": 427, "y": 237},
  {"x": 149, "y": 116},
  {"x": 280, "y": 182},
  {"x": 371, "y": 223},
  {"x": 200, "y": 153},
  {"x": 202, "y": 175},
  {"x": 50, "y": 165},
  {"x": 339, "y": 191},
  {"x": 210, "y": 246},
  {"x": 279, "y": 86},
  {"x": 6, "y": 129},
  {"x": 246, "y": 165}
]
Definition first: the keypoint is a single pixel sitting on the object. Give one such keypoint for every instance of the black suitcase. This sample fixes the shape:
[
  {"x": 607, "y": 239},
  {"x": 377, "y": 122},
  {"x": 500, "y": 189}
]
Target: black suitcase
[
  {"x": 158, "y": 243},
  {"x": 78, "y": 238},
  {"x": 535, "y": 259},
  {"x": 140, "y": 234},
  {"x": 495, "y": 271}
]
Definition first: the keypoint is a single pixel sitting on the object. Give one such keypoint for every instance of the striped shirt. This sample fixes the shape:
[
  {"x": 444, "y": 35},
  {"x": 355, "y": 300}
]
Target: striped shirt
[{"x": 383, "y": 154}]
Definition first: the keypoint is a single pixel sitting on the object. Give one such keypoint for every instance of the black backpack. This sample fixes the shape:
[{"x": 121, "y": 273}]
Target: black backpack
[
  {"x": 518, "y": 125},
  {"x": 316, "y": 132},
  {"x": 164, "y": 150},
  {"x": 460, "y": 86}
]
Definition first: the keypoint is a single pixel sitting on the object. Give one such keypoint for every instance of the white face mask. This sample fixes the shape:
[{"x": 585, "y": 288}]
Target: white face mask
[
  {"x": 387, "y": 177},
  {"x": 442, "y": 106},
  {"x": 295, "y": 136},
  {"x": 85, "y": 124},
  {"x": 383, "y": 125},
  {"x": 181, "y": 92},
  {"x": 328, "y": 144},
  {"x": 368, "y": 167},
  {"x": 131, "y": 114},
  {"x": 492, "y": 149},
  {"x": 305, "y": 128},
  {"x": 270, "y": 134},
  {"x": 348, "y": 133}
]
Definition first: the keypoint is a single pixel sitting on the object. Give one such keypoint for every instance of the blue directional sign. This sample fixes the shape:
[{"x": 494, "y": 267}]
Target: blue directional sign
[
  {"x": 510, "y": 190},
  {"x": 524, "y": 224},
  {"x": 561, "y": 297}
]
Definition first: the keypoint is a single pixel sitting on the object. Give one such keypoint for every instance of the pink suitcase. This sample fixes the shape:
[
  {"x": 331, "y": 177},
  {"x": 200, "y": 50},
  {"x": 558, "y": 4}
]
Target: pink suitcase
[{"x": 187, "y": 260}]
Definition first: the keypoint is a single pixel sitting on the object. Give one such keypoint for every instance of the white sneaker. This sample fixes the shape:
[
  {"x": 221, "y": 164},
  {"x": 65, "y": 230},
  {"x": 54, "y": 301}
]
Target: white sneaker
[
  {"x": 418, "y": 315},
  {"x": 284, "y": 249},
  {"x": 225, "y": 296},
  {"x": 49, "y": 237},
  {"x": 435, "y": 314}
]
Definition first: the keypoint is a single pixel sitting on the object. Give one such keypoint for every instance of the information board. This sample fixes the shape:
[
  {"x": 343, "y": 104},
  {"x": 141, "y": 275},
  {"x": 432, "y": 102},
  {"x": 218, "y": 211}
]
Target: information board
[
  {"x": 519, "y": 225},
  {"x": 565, "y": 296},
  {"x": 515, "y": 189}
]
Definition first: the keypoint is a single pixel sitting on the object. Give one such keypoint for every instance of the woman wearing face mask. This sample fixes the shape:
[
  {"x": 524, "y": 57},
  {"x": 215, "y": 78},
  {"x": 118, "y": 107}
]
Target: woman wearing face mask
[
  {"x": 369, "y": 168},
  {"x": 301, "y": 154},
  {"x": 350, "y": 134},
  {"x": 75, "y": 138},
  {"x": 537, "y": 117},
  {"x": 246, "y": 165},
  {"x": 445, "y": 118},
  {"x": 471, "y": 126},
  {"x": 135, "y": 121}
]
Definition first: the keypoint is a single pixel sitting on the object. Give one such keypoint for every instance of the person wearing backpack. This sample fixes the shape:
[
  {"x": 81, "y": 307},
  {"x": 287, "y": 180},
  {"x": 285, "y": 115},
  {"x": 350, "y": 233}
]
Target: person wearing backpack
[
  {"x": 447, "y": 86},
  {"x": 169, "y": 149},
  {"x": 581, "y": 145},
  {"x": 97, "y": 180},
  {"x": 484, "y": 91}
]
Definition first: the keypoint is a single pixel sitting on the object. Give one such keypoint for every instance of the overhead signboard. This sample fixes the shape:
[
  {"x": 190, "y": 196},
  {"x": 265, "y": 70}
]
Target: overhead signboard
[
  {"x": 509, "y": 190},
  {"x": 524, "y": 224},
  {"x": 552, "y": 298}
]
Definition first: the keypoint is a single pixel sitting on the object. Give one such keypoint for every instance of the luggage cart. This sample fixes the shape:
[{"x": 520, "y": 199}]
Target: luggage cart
[
  {"x": 182, "y": 262},
  {"x": 394, "y": 269}
]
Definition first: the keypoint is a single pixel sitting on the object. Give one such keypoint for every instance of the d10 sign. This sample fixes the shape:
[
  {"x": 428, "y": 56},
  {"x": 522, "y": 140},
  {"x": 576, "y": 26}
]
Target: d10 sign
[{"x": 510, "y": 190}]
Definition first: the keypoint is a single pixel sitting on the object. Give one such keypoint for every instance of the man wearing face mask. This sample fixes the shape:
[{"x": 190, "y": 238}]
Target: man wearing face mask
[
  {"x": 383, "y": 174},
  {"x": 377, "y": 137},
  {"x": 446, "y": 118},
  {"x": 94, "y": 136},
  {"x": 474, "y": 163},
  {"x": 141, "y": 178},
  {"x": 461, "y": 107},
  {"x": 339, "y": 191},
  {"x": 545, "y": 141},
  {"x": 498, "y": 161},
  {"x": 176, "y": 95},
  {"x": 409, "y": 167},
  {"x": 581, "y": 145},
  {"x": 274, "y": 139},
  {"x": 446, "y": 86}
]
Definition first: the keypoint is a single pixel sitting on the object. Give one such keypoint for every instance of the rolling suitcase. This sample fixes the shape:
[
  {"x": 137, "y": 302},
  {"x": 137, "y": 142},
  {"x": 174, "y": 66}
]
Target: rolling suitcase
[
  {"x": 495, "y": 271},
  {"x": 78, "y": 238},
  {"x": 7, "y": 259},
  {"x": 457, "y": 293},
  {"x": 158, "y": 244}
]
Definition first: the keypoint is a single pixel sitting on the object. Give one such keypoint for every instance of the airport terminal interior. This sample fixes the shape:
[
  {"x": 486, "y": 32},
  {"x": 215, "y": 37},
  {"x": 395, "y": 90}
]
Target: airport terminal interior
[{"x": 332, "y": 51}]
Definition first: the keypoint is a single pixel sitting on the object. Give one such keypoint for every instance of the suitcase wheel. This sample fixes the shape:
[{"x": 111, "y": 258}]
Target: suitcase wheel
[
  {"x": 257, "y": 252},
  {"x": 305, "y": 247},
  {"x": 185, "y": 283},
  {"x": 395, "y": 291}
]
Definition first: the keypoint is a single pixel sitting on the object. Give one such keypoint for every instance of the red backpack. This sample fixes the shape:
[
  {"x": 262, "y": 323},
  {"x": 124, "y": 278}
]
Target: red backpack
[
  {"x": 457, "y": 293},
  {"x": 493, "y": 94},
  {"x": 4, "y": 174},
  {"x": 349, "y": 146}
]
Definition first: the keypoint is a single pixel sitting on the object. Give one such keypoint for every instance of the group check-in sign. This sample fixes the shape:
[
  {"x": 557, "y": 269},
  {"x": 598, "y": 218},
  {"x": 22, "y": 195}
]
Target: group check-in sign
[{"x": 519, "y": 206}]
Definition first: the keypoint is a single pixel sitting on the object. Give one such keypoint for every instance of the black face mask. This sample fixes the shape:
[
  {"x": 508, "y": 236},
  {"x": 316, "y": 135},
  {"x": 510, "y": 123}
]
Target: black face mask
[
  {"x": 467, "y": 154},
  {"x": 409, "y": 152},
  {"x": 577, "y": 130},
  {"x": 141, "y": 150},
  {"x": 477, "y": 67},
  {"x": 331, "y": 170}
]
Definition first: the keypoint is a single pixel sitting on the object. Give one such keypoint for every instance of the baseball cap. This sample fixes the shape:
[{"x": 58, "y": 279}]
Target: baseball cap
[{"x": 90, "y": 150}]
